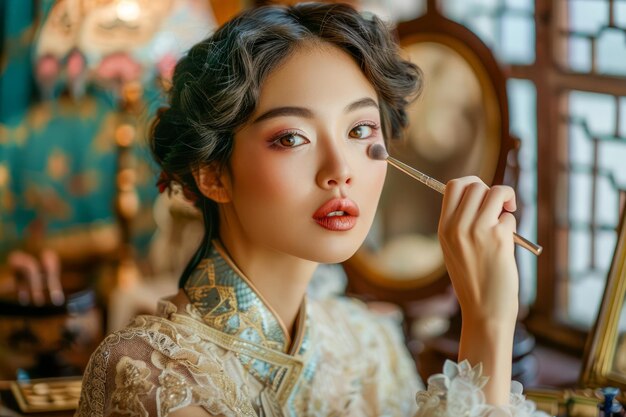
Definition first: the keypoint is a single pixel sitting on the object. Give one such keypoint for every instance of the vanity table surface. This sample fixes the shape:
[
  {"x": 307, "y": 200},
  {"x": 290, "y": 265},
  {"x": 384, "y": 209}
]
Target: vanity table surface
[{"x": 7, "y": 400}]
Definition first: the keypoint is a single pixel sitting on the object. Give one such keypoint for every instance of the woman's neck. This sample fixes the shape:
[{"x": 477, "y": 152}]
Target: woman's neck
[{"x": 281, "y": 279}]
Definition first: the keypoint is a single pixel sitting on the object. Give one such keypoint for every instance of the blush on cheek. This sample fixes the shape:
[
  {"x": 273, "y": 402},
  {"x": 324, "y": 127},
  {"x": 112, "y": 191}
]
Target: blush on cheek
[
  {"x": 271, "y": 177},
  {"x": 382, "y": 174},
  {"x": 377, "y": 182},
  {"x": 375, "y": 186},
  {"x": 373, "y": 171}
]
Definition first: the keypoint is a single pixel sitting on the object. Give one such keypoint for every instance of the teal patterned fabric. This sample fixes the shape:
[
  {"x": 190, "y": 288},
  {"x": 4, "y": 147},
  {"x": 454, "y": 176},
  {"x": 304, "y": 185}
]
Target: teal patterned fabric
[
  {"x": 226, "y": 300},
  {"x": 58, "y": 157}
]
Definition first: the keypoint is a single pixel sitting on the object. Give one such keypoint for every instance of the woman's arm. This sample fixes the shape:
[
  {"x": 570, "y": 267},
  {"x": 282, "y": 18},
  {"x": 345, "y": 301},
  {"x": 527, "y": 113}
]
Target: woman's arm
[
  {"x": 476, "y": 233},
  {"x": 490, "y": 343}
]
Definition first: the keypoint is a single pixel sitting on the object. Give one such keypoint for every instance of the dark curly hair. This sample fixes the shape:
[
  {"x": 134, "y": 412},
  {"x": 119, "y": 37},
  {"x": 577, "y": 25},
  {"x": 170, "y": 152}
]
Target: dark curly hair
[{"x": 216, "y": 86}]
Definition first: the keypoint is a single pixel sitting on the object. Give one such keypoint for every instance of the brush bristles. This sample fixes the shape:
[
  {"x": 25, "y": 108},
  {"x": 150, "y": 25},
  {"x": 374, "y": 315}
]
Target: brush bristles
[{"x": 378, "y": 152}]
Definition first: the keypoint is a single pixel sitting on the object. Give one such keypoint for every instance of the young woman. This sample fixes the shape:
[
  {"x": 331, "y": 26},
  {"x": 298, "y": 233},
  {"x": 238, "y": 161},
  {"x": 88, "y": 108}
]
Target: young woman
[{"x": 267, "y": 131}]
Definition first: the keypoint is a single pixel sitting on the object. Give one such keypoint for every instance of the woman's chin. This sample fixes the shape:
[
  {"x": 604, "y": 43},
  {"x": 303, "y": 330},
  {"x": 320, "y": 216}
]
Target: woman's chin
[
  {"x": 336, "y": 248},
  {"x": 331, "y": 255}
]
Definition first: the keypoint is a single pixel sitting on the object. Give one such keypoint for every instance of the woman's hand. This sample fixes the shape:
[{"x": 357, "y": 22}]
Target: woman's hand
[
  {"x": 33, "y": 277},
  {"x": 476, "y": 234}
]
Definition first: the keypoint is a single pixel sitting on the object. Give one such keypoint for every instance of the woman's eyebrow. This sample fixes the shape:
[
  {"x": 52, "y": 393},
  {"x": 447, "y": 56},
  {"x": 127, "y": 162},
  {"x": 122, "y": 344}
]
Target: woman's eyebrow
[
  {"x": 285, "y": 111},
  {"x": 359, "y": 104},
  {"x": 308, "y": 114}
]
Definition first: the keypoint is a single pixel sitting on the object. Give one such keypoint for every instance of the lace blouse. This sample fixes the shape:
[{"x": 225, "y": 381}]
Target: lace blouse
[{"x": 218, "y": 345}]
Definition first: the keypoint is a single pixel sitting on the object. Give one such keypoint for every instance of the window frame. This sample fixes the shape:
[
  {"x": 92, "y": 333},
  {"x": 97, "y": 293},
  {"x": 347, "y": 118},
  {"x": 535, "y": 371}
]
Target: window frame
[{"x": 552, "y": 82}]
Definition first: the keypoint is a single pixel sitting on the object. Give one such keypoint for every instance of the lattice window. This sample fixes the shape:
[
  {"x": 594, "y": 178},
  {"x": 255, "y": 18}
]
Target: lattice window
[
  {"x": 506, "y": 26},
  {"x": 595, "y": 170},
  {"x": 595, "y": 36},
  {"x": 566, "y": 65},
  {"x": 523, "y": 124}
]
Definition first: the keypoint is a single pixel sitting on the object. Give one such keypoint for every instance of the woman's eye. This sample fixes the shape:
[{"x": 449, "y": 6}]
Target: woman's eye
[
  {"x": 291, "y": 141},
  {"x": 361, "y": 132}
]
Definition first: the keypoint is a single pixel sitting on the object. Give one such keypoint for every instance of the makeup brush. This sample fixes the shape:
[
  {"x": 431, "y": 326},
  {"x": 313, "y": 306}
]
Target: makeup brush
[{"x": 378, "y": 152}]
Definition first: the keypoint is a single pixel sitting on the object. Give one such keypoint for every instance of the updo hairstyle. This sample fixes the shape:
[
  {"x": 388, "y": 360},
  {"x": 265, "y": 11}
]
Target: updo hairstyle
[{"x": 216, "y": 87}]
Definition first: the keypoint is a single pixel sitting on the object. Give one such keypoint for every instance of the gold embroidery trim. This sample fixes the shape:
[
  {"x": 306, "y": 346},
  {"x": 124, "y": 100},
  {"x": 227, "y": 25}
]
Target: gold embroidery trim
[
  {"x": 292, "y": 367},
  {"x": 226, "y": 256}
]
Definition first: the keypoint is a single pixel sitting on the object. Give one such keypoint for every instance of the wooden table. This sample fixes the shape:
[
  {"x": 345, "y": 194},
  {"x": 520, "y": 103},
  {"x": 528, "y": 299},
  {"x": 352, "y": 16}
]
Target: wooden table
[{"x": 7, "y": 400}]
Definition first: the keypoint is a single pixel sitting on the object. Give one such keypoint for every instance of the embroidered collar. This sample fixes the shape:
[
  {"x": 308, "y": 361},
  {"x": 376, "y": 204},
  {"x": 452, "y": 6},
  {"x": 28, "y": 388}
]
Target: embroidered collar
[{"x": 226, "y": 300}]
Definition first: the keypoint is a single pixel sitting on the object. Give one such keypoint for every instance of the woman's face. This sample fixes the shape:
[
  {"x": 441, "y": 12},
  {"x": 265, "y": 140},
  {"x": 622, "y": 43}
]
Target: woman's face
[{"x": 300, "y": 181}]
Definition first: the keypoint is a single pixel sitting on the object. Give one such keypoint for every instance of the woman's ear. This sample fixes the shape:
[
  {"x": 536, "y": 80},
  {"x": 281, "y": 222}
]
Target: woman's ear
[{"x": 213, "y": 183}]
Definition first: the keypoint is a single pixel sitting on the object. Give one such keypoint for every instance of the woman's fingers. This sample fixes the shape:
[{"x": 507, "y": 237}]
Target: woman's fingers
[
  {"x": 17, "y": 260},
  {"x": 22, "y": 287},
  {"x": 28, "y": 278},
  {"x": 472, "y": 200},
  {"x": 455, "y": 190},
  {"x": 508, "y": 222},
  {"x": 500, "y": 198},
  {"x": 52, "y": 270},
  {"x": 471, "y": 208},
  {"x": 33, "y": 278}
]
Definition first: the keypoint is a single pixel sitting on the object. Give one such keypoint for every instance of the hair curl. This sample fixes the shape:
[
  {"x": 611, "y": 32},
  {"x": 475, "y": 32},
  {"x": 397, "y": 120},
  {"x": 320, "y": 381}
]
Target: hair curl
[{"x": 216, "y": 85}]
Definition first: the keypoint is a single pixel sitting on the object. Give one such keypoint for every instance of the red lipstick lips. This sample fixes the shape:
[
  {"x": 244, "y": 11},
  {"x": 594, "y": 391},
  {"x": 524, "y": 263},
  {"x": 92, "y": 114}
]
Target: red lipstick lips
[{"x": 338, "y": 214}]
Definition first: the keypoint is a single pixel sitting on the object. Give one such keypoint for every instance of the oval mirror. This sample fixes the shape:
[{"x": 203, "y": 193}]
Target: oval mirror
[{"x": 457, "y": 127}]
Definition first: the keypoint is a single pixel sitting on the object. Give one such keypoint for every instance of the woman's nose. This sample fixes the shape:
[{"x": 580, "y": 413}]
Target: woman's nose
[{"x": 334, "y": 170}]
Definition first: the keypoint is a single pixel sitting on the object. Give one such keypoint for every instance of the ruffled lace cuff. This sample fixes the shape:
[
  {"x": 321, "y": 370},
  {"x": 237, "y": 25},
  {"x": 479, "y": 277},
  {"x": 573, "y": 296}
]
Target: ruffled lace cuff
[{"x": 458, "y": 391}]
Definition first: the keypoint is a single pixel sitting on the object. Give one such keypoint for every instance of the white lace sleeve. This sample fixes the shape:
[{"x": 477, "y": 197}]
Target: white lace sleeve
[{"x": 458, "y": 391}]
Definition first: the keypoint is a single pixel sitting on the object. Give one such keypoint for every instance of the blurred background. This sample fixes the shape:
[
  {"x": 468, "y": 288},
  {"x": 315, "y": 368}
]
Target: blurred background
[{"x": 531, "y": 93}]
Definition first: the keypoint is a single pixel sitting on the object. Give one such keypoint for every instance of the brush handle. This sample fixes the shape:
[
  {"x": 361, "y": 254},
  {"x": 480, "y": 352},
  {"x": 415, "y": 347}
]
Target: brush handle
[{"x": 441, "y": 188}]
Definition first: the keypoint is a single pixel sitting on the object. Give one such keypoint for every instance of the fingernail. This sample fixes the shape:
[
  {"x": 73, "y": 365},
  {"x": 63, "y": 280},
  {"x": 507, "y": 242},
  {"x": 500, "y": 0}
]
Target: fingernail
[{"x": 57, "y": 297}]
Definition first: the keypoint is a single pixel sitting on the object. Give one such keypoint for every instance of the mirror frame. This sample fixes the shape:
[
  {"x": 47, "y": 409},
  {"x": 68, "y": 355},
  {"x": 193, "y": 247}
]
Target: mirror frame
[
  {"x": 372, "y": 284},
  {"x": 601, "y": 344}
]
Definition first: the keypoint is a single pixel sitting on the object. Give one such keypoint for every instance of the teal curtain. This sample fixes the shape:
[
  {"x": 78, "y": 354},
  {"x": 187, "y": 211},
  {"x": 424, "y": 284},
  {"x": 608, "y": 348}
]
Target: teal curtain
[{"x": 58, "y": 157}]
